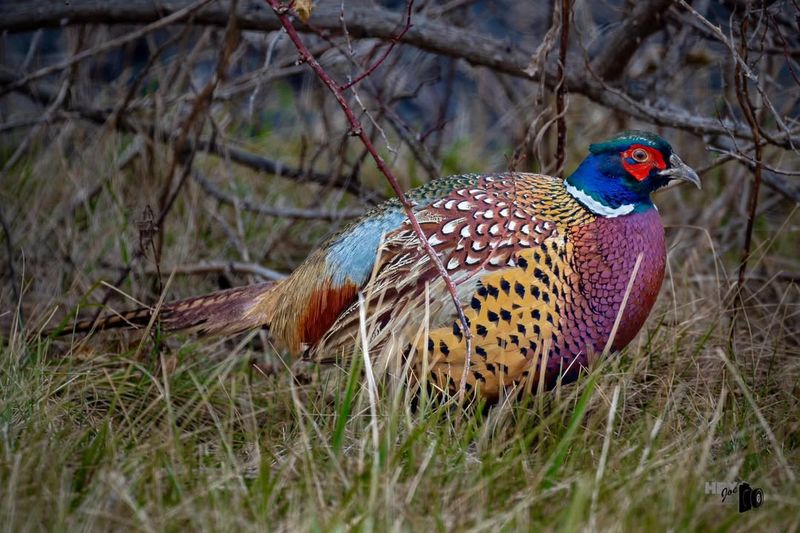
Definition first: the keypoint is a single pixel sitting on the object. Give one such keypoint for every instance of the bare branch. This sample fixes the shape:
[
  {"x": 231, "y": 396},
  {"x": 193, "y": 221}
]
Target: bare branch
[
  {"x": 743, "y": 95},
  {"x": 618, "y": 48},
  {"x": 42, "y": 93},
  {"x": 283, "y": 212},
  {"x": 213, "y": 267},
  {"x": 561, "y": 89},
  {"x": 367, "y": 72},
  {"x": 374, "y": 22},
  {"x": 108, "y": 45},
  {"x": 179, "y": 160}
]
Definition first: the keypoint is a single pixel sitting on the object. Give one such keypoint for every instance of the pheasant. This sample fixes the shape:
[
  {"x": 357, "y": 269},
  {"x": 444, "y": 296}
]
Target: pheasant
[{"x": 550, "y": 273}]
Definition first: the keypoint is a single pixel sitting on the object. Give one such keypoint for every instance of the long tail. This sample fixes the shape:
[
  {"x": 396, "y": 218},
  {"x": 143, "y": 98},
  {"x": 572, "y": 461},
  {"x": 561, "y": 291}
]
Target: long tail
[{"x": 225, "y": 312}]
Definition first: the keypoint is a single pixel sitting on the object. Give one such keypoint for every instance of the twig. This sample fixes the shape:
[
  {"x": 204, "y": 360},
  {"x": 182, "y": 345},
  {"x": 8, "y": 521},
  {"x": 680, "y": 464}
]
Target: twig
[
  {"x": 413, "y": 141},
  {"x": 738, "y": 59},
  {"x": 212, "y": 267},
  {"x": 108, "y": 45},
  {"x": 33, "y": 121},
  {"x": 561, "y": 89},
  {"x": 751, "y": 162},
  {"x": 433, "y": 36},
  {"x": 357, "y": 130},
  {"x": 35, "y": 40},
  {"x": 22, "y": 148},
  {"x": 283, "y": 212},
  {"x": 379, "y": 61},
  {"x": 44, "y": 94},
  {"x": 12, "y": 271},
  {"x": 133, "y": 87},
  {"x": 200, "y": 105},
  {"x": 742, "y": 94},
  {"x": 646, "y": 18},
  {"x": 52, "y": 108}
]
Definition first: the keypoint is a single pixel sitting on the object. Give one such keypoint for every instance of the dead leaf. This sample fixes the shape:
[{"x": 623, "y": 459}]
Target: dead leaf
[{"x": 303, "y": 9}]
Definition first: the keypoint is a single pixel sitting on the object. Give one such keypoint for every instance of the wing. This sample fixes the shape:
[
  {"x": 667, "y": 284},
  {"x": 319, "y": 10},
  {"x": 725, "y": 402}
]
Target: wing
[{"x": 327, "y": 283}]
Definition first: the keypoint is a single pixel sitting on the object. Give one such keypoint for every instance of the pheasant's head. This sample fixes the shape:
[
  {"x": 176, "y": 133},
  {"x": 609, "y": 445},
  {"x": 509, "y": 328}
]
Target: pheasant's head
[{"x": 619, "y": 174}]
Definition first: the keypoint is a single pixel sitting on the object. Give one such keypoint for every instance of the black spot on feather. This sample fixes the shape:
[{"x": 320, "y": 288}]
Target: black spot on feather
[
  {"x": 542, "y": 276},
  {"x": 505, "y": 285},
  {"x": 443, "y": 348},
  {"x": 519, "y": 289}
]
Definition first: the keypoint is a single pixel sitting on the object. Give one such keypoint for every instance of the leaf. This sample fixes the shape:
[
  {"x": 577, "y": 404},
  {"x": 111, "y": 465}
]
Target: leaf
[{"x": 303, "y": 9}]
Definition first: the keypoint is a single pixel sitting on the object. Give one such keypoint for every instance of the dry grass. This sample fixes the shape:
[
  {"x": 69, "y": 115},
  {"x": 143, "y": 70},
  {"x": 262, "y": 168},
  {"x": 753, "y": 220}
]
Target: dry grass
[{"x": 97, "y": 434}]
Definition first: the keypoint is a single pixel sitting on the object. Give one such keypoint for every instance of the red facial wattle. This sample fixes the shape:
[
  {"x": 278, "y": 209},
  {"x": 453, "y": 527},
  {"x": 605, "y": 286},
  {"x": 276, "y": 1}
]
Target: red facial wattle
[{"x": 640, "y": 167}]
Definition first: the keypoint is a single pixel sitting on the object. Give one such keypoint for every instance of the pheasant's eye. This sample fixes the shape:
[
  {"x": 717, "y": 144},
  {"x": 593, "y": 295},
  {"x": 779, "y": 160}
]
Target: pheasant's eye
[{"x": 640, "y": 155}]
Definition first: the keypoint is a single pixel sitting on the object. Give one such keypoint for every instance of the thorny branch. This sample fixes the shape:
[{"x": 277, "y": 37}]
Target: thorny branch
[
  {"x": 561, "y": 89},
  {"x": 357, "y": 130},
  {"x": 393, "y": 42}
]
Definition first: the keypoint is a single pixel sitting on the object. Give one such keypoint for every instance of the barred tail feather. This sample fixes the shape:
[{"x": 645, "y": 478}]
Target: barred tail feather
[{"x": 225, "y": 312}]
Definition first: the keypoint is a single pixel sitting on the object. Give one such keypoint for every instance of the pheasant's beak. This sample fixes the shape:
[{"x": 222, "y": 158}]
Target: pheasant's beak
[{"x": 681, "y": 171}]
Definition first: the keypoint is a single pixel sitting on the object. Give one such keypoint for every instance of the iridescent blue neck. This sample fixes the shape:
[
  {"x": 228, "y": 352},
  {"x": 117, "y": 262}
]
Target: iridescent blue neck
[{"x": 600, "y": 184}]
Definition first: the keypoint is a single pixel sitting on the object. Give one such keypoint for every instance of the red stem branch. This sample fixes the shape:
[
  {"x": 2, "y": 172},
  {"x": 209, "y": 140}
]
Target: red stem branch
[
  {"x": 380, "y": 60},
  {"x": 743, "y": 95},
  {"x": 561, "y": 90},
  {"x": 357, "y": 130}
]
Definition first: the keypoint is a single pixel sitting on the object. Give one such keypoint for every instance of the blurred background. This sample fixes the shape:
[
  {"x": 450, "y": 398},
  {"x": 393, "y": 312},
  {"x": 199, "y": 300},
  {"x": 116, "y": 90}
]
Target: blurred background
[{"x": 140, "y": 139}]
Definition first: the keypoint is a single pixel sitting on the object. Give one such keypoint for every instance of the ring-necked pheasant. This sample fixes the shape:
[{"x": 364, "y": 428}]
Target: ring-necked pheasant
[{"x": 542, "y": 267}]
